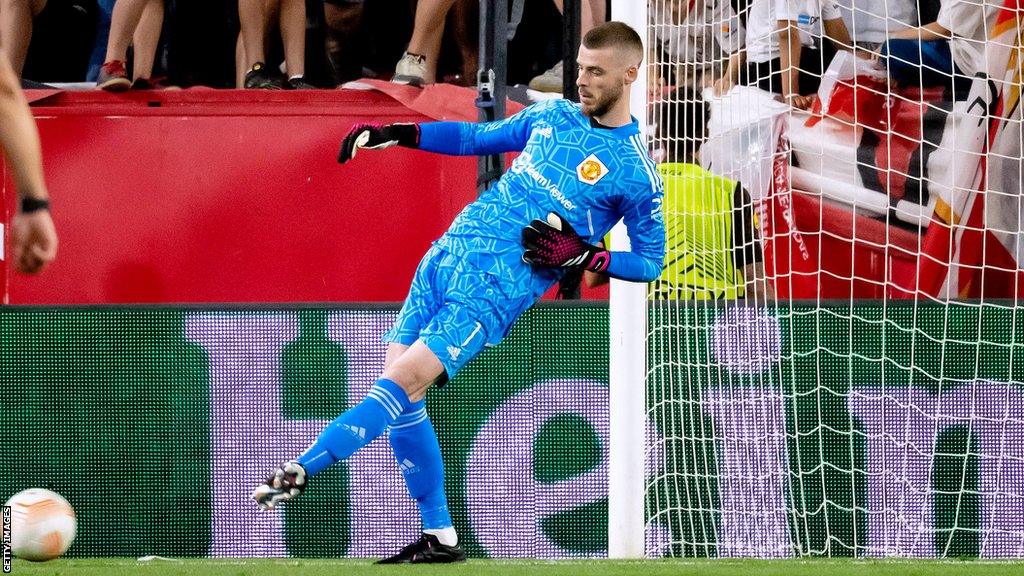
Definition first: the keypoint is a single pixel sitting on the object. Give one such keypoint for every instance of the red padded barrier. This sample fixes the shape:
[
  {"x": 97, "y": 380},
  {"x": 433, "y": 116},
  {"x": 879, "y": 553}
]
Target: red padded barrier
[{"x": 235, "y": 196}]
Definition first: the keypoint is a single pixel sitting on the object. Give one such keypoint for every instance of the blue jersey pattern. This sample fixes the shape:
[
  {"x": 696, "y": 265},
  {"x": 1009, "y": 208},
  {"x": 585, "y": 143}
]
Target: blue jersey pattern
[{"x": 591, "y": 176}]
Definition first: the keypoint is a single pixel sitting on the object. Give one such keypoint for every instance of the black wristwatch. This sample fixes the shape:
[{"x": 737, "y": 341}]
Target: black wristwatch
[{"x": 29, "y": 205}]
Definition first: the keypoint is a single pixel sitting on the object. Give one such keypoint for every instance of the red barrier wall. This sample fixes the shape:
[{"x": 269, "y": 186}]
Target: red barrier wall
[{"x": 235, "y": 196}]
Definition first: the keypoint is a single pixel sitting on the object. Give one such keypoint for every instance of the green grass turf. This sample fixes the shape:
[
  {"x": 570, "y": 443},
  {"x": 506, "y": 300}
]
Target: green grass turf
[{"x": 288, "y": 567}]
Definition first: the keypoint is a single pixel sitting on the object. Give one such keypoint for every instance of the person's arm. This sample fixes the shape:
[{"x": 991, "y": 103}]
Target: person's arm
[
  {"x": 790, "y": 49},
  {"x": 728, "y": 31},
  {"x": 756, "y": 286},
  {"x": 833, "y": 27},
  {"x": 926, "y": 33},
  {"x": 468, "y": 138},
  {"x": 732, "y": 72},
  {"x": 645, "y": 225},
  {"x": 747, "y": 254},
  {"x": 836, "y": 31},
  {"x": 33, "y": 235},
  {"x": 454, "y": 138},
  {"x": 933, "y": 31}
]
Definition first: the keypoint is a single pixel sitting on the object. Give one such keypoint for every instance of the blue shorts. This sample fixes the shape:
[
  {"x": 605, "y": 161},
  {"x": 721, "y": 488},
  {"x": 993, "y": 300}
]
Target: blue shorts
[{"x": 455, "y": 308}]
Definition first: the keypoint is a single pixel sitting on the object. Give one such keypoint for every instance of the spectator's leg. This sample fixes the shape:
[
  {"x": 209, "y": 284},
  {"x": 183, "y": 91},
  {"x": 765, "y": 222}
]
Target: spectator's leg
[
  {"x": 16, "y": 29},
  {"x": 240, "y": 61},
  {"x": 99, "y": 49},
  {"x": 254, "y": 17},
  {"x": 428, "y": 32},
  {"x": 592, "y": 13},
  {"x": 344, "y": 17},
  {"x": 293, "y": 35},
  {"x": 146, "y": 38},
  {"x": 466, "y": 16},
  {"x": 343, "y": 20},
  {"x": 125, "y": 19}
]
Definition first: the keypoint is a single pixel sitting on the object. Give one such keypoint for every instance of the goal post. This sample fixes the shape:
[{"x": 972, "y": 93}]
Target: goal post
[{"x": 628, "y": 358}]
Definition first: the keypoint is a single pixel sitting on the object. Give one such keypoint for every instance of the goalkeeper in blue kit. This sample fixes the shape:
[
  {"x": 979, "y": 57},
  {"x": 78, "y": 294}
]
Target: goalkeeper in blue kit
[{"x": 582, "y": 168}]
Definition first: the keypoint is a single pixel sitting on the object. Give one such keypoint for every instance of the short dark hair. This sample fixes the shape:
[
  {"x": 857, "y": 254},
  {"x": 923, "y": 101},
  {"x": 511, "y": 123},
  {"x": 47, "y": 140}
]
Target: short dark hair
[
  {"x": 681, "y": 124},
  {"x": 616, "y": 34}
]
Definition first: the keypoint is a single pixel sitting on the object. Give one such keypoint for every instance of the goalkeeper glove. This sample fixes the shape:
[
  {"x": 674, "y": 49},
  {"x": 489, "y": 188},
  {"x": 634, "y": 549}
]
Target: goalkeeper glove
[
  {"x": 377, "y": 137},
  {"x": 554, "y": 244}
]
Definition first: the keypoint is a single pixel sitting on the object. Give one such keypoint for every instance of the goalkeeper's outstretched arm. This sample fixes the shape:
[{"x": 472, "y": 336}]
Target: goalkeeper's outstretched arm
[
  {"x": 468, "y": 139},
  {"x": 454, "y": 138}
]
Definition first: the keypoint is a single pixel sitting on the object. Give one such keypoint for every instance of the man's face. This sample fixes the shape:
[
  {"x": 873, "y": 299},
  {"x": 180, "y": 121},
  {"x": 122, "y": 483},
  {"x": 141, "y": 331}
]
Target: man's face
[{"x": 604, "y": 74}]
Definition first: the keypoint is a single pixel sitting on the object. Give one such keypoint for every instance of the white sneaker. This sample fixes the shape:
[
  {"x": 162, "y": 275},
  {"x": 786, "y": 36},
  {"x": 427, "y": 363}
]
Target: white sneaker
[
  {"x": 411, "y": 69},
  {"x": 550, "y": 81}
]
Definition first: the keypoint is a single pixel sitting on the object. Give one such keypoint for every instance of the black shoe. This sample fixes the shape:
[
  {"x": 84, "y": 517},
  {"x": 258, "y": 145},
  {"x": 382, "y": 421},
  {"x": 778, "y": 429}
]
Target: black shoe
[
  {"x": 300, "y": 84},
  {"x": 427, "y": 550},
  {"x": 259, "y": 76}
]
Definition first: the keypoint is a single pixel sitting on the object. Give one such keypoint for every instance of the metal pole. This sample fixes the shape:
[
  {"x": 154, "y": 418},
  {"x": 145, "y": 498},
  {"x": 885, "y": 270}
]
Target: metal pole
[
  {"x": 490, "y": 83},
  {"x": 570, "y": 46}
]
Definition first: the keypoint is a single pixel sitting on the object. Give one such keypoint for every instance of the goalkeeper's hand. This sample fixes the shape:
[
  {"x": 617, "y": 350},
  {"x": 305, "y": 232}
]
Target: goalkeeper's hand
[
  {"x": 554, "y": 244},
  {"x": 377, "y": 137}
]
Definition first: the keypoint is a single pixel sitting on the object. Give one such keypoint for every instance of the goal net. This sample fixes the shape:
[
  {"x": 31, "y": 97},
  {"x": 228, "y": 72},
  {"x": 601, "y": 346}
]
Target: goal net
[{"x": 834, "y": 358}]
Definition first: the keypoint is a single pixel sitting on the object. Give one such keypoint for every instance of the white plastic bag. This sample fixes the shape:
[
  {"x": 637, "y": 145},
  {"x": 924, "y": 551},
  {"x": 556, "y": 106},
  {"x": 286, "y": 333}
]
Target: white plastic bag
[
  {"x": 743, "y": 131},
  {"x": 846, "y": 66}
]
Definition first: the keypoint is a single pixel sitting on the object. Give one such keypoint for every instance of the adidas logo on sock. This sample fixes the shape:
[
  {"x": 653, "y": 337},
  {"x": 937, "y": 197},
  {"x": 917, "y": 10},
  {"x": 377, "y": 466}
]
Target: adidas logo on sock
[
  {"x": 406, "y": 466},
  {"x": 356, "y": 431}
]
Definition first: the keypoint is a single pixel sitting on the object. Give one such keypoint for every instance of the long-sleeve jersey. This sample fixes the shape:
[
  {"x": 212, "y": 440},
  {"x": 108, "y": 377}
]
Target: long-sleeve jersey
[{"x": 592, "y": 176}]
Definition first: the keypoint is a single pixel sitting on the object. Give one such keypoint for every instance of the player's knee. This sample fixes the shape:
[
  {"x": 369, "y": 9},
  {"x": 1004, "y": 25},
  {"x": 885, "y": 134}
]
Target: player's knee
[
  {"x": 414, "y": 380},
  {"x": 415, "y": 386},
  {"x": 415, "y": 371}
]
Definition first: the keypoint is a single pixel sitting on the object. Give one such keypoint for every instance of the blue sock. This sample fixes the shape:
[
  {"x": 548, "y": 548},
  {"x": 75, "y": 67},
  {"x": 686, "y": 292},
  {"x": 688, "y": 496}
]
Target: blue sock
[
  {"x": 414, "y": 443},
  {"x": 357, "y": 427}
]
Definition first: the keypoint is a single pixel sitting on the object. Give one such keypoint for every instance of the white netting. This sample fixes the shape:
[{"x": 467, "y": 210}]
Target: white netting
[{"x": 833, "y": 351}]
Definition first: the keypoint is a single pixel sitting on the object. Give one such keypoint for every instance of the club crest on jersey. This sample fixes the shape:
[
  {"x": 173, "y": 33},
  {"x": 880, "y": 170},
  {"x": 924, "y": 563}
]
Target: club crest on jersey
[{"x": 591, "y": 170}]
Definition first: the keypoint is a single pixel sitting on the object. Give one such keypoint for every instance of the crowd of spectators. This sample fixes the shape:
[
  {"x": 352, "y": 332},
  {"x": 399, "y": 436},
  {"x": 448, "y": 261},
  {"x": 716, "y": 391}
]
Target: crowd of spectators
[
  {"x": 783, "y": 46},
  {"x": 779, "y": 45},
  {"x": 119, "y": 45}
]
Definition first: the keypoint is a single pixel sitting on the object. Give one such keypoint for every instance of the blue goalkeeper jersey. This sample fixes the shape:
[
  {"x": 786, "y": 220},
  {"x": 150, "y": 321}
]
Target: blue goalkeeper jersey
[{"x": 592, "y": 176}]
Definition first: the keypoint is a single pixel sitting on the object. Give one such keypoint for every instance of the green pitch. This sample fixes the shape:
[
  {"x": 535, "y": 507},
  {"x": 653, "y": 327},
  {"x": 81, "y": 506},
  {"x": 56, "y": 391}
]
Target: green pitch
[{"x": 279, "y": 567}]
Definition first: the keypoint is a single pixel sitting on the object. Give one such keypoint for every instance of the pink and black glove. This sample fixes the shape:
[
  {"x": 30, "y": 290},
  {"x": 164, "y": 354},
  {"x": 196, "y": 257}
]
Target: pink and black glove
[
  {"x": 377, "y": 137},
  {"x": 554, "y": 244}
]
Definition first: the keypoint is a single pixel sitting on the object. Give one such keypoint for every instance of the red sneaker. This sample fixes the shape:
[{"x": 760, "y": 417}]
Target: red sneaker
[{"x": 113, "y": 77}]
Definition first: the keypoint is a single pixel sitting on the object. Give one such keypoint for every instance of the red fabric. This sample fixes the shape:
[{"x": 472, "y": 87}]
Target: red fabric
[
  {"x": 438, "y": 101},
  {"x": 860, "y": 101},
  {"x": 235, "y": 196}
]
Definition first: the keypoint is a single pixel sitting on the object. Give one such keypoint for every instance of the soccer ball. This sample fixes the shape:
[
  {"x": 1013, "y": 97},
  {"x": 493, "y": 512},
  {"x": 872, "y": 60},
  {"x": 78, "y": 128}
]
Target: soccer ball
[{"x": 43, "y": 524}]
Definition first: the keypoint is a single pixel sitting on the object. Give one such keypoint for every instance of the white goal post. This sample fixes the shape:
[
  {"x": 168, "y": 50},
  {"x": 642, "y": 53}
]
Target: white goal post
[{"x": 627, "y": 360}]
